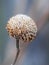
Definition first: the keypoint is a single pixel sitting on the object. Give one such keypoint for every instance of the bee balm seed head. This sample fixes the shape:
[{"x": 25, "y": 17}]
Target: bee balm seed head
[{"x": 22, "y": 26}]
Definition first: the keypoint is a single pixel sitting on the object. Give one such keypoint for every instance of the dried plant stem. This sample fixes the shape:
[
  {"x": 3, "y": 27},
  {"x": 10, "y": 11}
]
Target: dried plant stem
[{"x": 18, "y": 50}]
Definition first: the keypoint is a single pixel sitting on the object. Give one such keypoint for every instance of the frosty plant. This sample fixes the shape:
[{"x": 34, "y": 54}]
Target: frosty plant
[{"x": 21, "y": 27}]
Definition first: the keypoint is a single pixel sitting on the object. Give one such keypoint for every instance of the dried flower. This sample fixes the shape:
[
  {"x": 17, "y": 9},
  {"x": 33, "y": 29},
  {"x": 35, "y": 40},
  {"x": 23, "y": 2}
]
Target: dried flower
[{"x": 22, "y": 26}]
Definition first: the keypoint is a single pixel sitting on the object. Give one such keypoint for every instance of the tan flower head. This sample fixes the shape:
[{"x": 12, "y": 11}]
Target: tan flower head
[{"x": 22, "y": 26}]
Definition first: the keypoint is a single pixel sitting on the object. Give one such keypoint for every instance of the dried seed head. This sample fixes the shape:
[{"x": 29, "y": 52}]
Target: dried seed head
[{"x": 22, "y": 26}]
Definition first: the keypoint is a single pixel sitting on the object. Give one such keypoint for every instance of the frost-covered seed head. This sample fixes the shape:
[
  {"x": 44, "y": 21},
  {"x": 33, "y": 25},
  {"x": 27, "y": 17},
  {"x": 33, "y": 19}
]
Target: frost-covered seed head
[{"x": 22, "y": 26}]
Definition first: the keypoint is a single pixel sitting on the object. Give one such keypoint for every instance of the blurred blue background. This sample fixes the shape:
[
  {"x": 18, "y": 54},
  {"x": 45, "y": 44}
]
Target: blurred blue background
[{"x": 37, "y": 52}]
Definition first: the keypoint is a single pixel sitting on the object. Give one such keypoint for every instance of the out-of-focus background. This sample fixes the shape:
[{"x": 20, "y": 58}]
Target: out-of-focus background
[{"x": 36, "y": 52}]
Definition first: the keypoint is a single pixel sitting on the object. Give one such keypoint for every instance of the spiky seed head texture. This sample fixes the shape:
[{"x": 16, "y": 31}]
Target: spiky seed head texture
[{"x": 22, "y": 26}]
